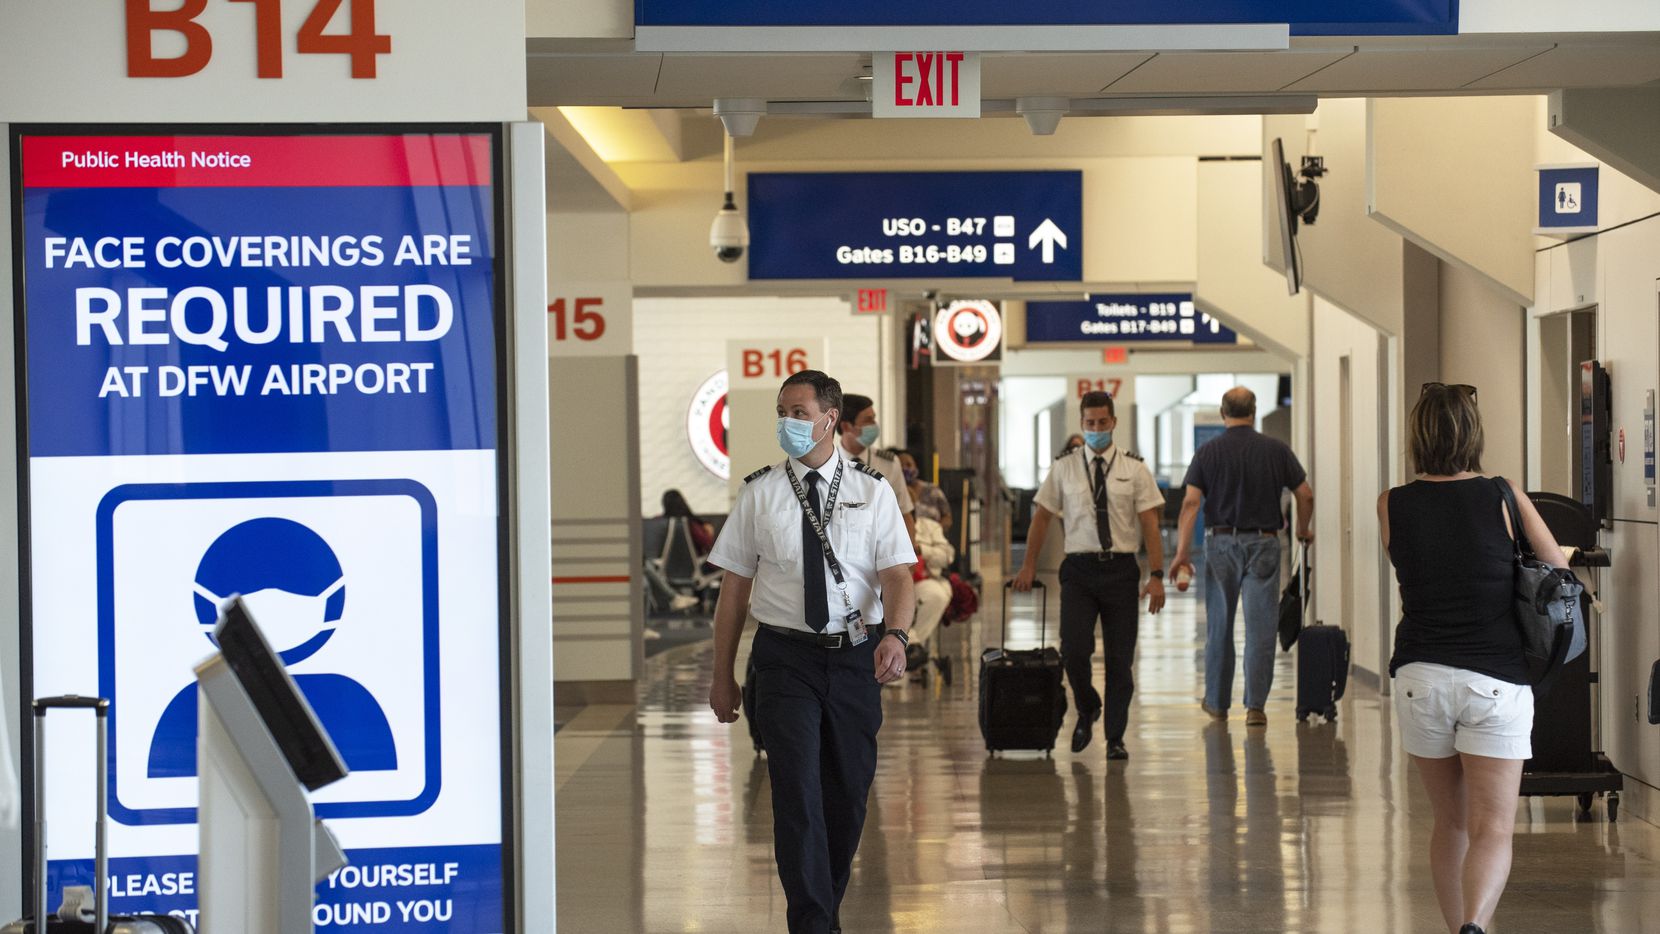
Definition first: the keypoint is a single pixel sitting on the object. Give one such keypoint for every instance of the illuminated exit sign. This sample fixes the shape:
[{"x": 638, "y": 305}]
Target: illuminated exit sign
[{"x": 925, "y": 84}]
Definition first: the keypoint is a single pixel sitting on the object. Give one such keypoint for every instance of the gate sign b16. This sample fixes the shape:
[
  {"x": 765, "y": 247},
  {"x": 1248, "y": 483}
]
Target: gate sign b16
[
  {"x": 265, "y": 365},
  {"x": 1132, "y": 317},
  {"x": 916, "y": 225}
]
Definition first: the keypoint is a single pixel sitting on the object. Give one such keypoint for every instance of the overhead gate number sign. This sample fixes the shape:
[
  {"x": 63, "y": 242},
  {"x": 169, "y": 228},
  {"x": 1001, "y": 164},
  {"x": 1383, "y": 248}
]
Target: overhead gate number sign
[
  {"x": 1135, "y": 317},
  {"x": 910, "y": 225},
  {"x": 266, "y": 365}
]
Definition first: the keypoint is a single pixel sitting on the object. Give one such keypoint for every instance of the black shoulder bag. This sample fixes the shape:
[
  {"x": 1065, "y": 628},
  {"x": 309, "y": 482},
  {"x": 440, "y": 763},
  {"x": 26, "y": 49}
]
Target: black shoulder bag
[{"x": 1547, "y": 607}]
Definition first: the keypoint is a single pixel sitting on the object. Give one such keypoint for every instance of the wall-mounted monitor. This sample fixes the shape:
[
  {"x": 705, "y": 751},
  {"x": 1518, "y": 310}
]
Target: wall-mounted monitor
[{"x": 1285, "y": 216}]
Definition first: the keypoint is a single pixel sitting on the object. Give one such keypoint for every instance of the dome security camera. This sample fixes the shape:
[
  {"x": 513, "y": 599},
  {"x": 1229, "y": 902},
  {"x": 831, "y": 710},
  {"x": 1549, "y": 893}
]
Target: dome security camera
[{"x": 729, "y": 234}]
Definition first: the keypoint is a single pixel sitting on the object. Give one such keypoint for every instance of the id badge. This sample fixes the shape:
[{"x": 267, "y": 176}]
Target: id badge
[{"x": 856, "y": 634}]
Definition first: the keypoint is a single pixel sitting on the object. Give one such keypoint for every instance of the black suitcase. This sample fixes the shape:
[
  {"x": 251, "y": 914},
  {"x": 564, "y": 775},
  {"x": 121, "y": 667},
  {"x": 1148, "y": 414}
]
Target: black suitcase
[
  {"x": 1022, "y": 693},
  {"x": 1322, "y": 670},
  {"x": 72, "y": 916}
]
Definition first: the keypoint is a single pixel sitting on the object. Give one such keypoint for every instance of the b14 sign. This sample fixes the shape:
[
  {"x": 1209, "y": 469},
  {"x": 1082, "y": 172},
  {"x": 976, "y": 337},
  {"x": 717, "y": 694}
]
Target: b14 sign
[{"x": 925, "y": 84}]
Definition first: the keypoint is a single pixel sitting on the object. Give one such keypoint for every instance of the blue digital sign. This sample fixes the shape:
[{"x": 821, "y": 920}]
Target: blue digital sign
[
  {"x": 916, "y": 225},
  {"x": 265, "y": 364},
  {"x": 1305, "y": 17},
  {"x": 1125, "y": 318}
]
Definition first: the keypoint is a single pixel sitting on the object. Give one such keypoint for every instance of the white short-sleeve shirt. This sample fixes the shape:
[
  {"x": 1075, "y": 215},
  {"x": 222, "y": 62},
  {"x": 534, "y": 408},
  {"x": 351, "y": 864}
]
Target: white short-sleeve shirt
[
  {"x": 762, "y": 540},
  {"x": 1131, "y": 490},
  {"x": 888, "y": 466}
]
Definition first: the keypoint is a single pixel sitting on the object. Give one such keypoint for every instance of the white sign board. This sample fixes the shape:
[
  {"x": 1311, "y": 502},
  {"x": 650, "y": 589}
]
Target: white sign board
[
  {"x": 592, "y": 319},
  {"x": 756, "y": 368},
  {"x": 925, "y": 84}
]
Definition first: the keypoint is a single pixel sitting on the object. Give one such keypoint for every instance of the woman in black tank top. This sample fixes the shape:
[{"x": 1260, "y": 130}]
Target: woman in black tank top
[{"x": 1461, "y": 693}]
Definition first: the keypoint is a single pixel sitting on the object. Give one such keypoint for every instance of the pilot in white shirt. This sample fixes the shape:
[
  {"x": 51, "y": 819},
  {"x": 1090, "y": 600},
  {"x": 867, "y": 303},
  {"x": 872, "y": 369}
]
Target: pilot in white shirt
[
  {"x": 831, "y": 629},
  {"x": 1109, "y": 506}
]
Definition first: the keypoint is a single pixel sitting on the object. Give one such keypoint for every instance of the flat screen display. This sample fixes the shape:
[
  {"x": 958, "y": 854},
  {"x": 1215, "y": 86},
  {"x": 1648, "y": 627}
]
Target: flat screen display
[{"x": 267, "y": 361}]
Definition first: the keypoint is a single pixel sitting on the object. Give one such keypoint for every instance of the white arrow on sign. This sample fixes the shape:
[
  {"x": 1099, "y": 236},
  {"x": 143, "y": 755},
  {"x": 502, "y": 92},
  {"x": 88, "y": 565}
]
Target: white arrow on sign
[{"x": 1050, "y": 236}]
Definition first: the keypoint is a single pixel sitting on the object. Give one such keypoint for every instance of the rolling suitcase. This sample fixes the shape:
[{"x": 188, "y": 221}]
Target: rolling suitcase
[
  {"x": 76, "y": 916},
  {"x": 1322, "y": 662},
  {"x": 1022, "y": 694}
]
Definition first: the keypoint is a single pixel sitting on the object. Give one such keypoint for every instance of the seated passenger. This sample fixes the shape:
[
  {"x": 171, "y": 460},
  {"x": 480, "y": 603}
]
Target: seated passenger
[
  {"x": 929, "y": 498},
  {"x": 1461, "y": 685},
  {"x": 703, "y": 533},
  {"x": 933, "y": 590}
]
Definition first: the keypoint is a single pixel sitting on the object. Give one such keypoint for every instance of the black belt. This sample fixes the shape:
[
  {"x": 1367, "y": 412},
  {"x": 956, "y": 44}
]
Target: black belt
[
  {"x": 1230, "y": 530},
  {"x": 824, "y": 640},
  {"x": 1101, "y": 555}
]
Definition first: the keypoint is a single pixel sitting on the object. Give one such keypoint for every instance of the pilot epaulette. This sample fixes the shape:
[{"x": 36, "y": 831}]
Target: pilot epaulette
[
  {"x": 1134, "y": 456},
  {"x": 865, "y": 468},
  {"x": 1065, "y": 454},
  {"x": 759, "y": 473}
]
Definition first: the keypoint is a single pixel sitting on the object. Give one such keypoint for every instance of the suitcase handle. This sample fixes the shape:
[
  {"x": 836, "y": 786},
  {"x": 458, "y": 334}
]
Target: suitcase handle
[
  {"x": 1043, "y": 612},
  {"x": 100, "y": 706}
]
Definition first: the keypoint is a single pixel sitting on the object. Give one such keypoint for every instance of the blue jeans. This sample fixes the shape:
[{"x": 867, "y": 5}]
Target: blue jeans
[{"x": 1239, "y": 566}]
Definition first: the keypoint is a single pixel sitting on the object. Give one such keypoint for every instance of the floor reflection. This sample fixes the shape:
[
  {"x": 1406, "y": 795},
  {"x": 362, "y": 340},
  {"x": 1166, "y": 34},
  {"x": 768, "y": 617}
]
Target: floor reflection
[{"x": 664, "y": 819}]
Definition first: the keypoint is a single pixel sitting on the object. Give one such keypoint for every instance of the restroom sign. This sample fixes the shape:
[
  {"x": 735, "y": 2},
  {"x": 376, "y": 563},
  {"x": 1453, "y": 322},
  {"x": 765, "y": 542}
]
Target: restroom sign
[
  {"x": 925, "y": 84},
  {"x": 1568, "y": 199}
]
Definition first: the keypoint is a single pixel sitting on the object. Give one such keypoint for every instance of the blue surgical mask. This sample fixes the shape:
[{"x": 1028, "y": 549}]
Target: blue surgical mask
[
  {"x": 910, "y": 475},
  {"x": 795, "y": 436},
  {"x": 867, "y": 434},
  {"x": 1098, "y": 440}
]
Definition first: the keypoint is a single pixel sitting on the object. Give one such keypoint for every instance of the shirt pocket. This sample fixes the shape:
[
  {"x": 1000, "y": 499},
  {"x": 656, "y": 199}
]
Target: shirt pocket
[
  {"x": 781, "y": 541},
  {"x": 850, "y": 530}
]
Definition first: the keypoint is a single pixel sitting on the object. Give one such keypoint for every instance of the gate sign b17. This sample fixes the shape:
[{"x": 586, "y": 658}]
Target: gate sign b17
[
  {"x": 1125, "y": 318},
  {"x": 916, "y": 225},
  {"x": 266, "y": 364}
]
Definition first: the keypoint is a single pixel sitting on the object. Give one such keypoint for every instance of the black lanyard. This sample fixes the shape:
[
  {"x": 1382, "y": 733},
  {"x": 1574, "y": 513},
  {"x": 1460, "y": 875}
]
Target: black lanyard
[
  {"x": 821, "y": 524},
  {"x": 1089, "y": 473}
]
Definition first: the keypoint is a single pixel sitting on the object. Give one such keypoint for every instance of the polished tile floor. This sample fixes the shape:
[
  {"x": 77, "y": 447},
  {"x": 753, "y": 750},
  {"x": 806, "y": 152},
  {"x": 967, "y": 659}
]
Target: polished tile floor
[{"x": 664, "y": 819}]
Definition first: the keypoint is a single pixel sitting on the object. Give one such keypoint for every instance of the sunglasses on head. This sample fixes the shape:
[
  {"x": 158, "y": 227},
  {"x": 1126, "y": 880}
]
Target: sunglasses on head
[{"x": 1464, "y": 388}]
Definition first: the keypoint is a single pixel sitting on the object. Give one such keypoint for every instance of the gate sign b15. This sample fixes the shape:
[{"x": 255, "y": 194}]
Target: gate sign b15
[
  {"x": 266, "y": 364},
  {"x": 1132, "y": 317},
  {"x": 916, "y": 225}
]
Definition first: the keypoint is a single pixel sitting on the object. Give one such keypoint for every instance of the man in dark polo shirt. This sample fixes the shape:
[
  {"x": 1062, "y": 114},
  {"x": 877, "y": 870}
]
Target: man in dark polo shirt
[{"x": 1239, "y": 477}]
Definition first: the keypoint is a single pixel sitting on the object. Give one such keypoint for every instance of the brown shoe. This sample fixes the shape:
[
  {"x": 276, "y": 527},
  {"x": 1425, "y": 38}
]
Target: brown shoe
[
  {"x": 1214, "y": 713},
  {"x": 1256, "y": 718}
]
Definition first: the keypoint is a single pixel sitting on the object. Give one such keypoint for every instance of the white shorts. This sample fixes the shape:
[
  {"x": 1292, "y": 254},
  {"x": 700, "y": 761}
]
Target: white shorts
[{"x": 1446, "y": 711}]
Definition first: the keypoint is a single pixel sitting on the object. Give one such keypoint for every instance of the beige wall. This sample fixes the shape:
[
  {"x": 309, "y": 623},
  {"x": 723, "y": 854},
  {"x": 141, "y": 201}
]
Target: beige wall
[
  {"x": 1233, "y": 283},
  {"x": 1456, "y": 176},
  {"x": 1482, "y": 343},
  {"x": 1339, "y": 336},
  {"x": 1618, "y": 273},
  {"x": 443, "y": 66},
  {"x": 1348, "y": 257}
]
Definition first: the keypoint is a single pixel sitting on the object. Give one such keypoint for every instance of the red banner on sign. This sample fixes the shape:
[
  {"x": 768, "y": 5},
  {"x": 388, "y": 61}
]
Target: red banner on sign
[{"x": 255, "y": 161}]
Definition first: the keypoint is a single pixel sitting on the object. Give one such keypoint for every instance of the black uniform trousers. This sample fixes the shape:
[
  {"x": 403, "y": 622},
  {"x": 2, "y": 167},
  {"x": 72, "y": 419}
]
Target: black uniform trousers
[
  {"x": 818, "y": 711},
  {"x": 1110, "y": 591}
]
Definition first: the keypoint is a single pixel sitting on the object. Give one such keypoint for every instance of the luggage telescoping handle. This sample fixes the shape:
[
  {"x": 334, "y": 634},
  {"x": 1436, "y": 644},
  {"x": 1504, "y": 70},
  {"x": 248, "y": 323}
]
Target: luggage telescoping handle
[
  {"x": 101, "y": 707},
  {"x": 1043, "y": 612},
  {"x": 1303, "y": 581}
]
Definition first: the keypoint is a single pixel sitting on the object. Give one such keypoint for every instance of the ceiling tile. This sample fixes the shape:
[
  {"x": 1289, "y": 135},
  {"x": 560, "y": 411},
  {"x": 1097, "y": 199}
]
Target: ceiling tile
[
  {"x": 1579, "y": 66},
  {"x": 1384, "y": 71},
  {"x": 702, "y": 78},
  {"x": 591, "y": 79},
  {"x": 1224, "y": 72},
  {"x": 1065, "y": 74}
]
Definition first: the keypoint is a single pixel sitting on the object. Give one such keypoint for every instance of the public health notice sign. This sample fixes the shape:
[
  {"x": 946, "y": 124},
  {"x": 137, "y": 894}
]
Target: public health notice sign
[{"x": 267, "y": 365}]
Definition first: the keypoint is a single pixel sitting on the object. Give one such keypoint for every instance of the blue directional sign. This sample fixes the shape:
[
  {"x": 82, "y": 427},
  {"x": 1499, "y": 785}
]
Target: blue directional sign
[
  {"x": 915, "y": 225},
  {"x": 1125, "y": 318},
  {"x": 1305, "y": 17},
  {"x": 1567, "y": 199}
]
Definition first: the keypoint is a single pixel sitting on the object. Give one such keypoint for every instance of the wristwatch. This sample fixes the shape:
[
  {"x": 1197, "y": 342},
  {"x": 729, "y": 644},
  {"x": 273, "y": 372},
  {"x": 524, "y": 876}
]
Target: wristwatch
[
  {"x": 1157, "y": 572},
  {"x": 900, "y": 634}
]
